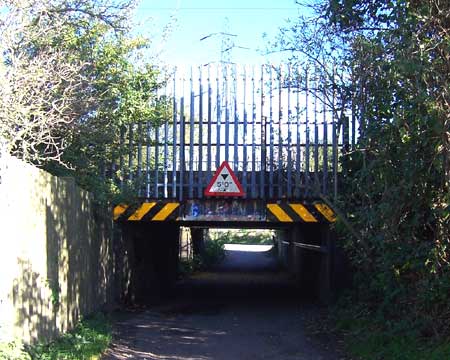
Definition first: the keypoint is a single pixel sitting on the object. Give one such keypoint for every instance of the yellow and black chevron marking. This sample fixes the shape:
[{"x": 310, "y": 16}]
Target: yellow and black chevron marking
[
  {"x": 298, "y": 212},
  {"x": 119, "y": 210},
  {"x": 326, "y": 212},
  {"x": 147, "y": 211}
]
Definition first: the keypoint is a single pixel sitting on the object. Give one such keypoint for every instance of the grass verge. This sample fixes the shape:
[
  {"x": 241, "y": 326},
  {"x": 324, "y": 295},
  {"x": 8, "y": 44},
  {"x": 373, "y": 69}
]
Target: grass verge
[
  {"x": 87, "y": 341},
  {"x": 367, "y": 337}
]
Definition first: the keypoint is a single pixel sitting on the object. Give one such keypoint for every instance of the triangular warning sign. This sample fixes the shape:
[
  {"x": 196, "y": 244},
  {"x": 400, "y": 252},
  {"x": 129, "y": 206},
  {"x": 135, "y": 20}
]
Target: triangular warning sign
[{"x": 224, "y": 183}]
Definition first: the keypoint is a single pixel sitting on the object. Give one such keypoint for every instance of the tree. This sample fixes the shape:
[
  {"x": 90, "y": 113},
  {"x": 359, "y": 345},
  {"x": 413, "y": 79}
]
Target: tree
[
  {"x": 82, "y": 78},
  {"x": 396, "y": 190},
  {"x": 39, "y": 91}
]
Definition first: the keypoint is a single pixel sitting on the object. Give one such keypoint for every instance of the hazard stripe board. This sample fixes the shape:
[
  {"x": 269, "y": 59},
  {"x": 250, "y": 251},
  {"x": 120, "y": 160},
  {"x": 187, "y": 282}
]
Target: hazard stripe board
[
  {"x": 326, "y": 211},
  {"x": 146, "y": 211},
  {"x": 119, "y": 210},
  {"x": 288, "y": 212}
]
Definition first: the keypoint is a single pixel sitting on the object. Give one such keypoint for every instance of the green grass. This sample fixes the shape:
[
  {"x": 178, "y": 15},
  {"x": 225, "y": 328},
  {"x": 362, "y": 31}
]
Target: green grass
[
  {"x": 243, "y": 236},
  {"x": 379, "y": 345},
  {"x": 13, "y": 351},
  {"x": 214, "y": 252},
  {"x": 366, "y": 338},
  {"x": 87, "y": 341}
]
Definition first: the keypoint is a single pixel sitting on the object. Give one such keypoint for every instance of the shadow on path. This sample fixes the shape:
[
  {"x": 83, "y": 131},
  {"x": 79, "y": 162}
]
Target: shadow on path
[{"x": 245, "y": 308}]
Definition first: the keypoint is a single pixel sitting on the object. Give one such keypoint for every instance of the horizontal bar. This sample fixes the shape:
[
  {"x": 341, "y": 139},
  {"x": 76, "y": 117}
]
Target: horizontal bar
[
  {"x": 259, "y": 123},
  {"x": 317, "y": 248},
  {"x": 242, "y": 144}
]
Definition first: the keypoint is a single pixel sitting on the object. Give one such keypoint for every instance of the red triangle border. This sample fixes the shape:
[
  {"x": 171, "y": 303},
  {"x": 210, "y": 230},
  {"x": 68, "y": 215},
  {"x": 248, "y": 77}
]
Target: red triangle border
[{"x": 216, "y": 175}]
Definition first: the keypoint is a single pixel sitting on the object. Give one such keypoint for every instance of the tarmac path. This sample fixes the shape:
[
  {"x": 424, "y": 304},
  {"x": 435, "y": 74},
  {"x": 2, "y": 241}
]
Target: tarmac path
[{"x": 245, "y": 309}]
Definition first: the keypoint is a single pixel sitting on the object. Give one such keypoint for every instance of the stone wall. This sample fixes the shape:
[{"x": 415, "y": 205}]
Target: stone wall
[{"x": 56, "y": 258}]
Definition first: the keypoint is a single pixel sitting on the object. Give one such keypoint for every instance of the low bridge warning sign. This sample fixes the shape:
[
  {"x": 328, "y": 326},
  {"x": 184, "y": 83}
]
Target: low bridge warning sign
[{"x": 224, "y": 183}]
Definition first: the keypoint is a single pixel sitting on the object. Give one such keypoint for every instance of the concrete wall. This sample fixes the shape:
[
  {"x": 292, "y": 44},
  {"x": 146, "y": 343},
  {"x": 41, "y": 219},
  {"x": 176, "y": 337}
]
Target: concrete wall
[
  {"x": 313, "y": 268},
  {"x": 146, "y": 257},
  {"x": 56, "y": 259}
]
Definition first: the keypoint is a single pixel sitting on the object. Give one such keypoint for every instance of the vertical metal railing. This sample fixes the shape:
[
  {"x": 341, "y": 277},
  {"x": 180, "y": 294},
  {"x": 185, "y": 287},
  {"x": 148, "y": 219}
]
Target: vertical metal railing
[
  {"x": 191, "y": 137},
  {"x": 182, "y": 163},
  {"x": 209, "y": 129},
  {"x": 280, "y": 137},
  {"x": 235, "y": 120},
  {"x": 298, "y": 168},
  {"x": 316, "y": 135},
  {"x": 271, "y": 135},
  {"x": 254, "y": 192},
  {"x": 244, "y": 132},
  {"x": 262, "y": 175},
  {"x": 200, "y": 136},
  {"x": 226, "y": 102},
  {"x": 334, "y": 134},
  {"x": 279, "y": 127},
  {"x": 324, "y": 136},
  {"x": 289, "y": 135},
  {"x": 174, "y": 137},
  {"x": 218, "y": 119},
  {"x": 165, "y": 143},
  {"x": 307, "y": 134}
]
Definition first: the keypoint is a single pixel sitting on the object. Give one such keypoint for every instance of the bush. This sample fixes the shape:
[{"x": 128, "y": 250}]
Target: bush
[
  {"x": 243, "y": 236},
  {"x": 87, "y": 341},
  {"x": 214, "y": 253},
  {"x": 13, "y": 351}
]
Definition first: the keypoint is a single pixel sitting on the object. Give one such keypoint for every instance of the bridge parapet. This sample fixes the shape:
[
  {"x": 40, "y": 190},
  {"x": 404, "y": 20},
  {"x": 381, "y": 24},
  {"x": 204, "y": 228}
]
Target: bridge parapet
[{"x": 279, "y": 128}]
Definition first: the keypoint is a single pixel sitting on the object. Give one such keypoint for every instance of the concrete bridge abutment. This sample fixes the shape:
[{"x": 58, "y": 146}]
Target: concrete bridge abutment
[
  {"x": 146, "y": 261},
  {"x": 198, "y": 240},
  {"x": 308, "y": 253}
]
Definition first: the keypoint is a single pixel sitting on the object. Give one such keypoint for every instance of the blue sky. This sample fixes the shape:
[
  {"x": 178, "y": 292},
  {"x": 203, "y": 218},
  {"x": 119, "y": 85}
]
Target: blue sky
[{"x": 195, "y": 19}]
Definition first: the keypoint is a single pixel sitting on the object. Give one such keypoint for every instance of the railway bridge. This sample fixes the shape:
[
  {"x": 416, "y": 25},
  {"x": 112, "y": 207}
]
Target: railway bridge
[{"x": 237, "y": 147}]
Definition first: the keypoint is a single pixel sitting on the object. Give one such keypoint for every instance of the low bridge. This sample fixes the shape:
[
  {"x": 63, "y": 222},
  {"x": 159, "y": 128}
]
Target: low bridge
[{"x": 278, "y": 134}]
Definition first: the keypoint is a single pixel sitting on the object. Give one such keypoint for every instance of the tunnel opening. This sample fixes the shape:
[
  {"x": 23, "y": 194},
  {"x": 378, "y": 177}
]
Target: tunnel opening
[
  {"x": 242, "y": 236},
  {"x": 225, "y": 249},
  {"x": 263, "y": 295},
  {"x": 296, "y": 261},
  {"x": 292, "y": 261},
  {"x": 248, "y": 272}
]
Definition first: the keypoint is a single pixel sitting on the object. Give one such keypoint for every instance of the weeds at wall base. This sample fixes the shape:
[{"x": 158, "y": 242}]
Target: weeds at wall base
[
  {"x": 87, "y": 341},
  {"x": 214, "y": 253},
  {"x": 367, "y": 336},
  {"x": 13, "y": 351}
]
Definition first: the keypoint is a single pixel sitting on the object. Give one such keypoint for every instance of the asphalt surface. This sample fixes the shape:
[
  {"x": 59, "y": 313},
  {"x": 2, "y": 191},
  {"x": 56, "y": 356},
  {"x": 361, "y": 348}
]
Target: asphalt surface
[{"x": 246, "y": 308}]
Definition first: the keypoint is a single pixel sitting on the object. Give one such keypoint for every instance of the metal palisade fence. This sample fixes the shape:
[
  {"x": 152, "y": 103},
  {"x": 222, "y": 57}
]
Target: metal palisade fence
[{"x": 281, "y": 129}]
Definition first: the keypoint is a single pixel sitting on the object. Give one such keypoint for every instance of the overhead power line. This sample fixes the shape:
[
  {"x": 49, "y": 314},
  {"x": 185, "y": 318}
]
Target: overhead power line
[{"x": 219, "y": 9}]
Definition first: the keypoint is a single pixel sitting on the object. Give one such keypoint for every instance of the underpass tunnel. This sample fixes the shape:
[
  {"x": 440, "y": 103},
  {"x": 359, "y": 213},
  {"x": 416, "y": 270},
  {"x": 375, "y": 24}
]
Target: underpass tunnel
[
  {"x": 298, "y": 260},
  {"x": 304, "y": 252},
  {"x": 260, "y": 298}
]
